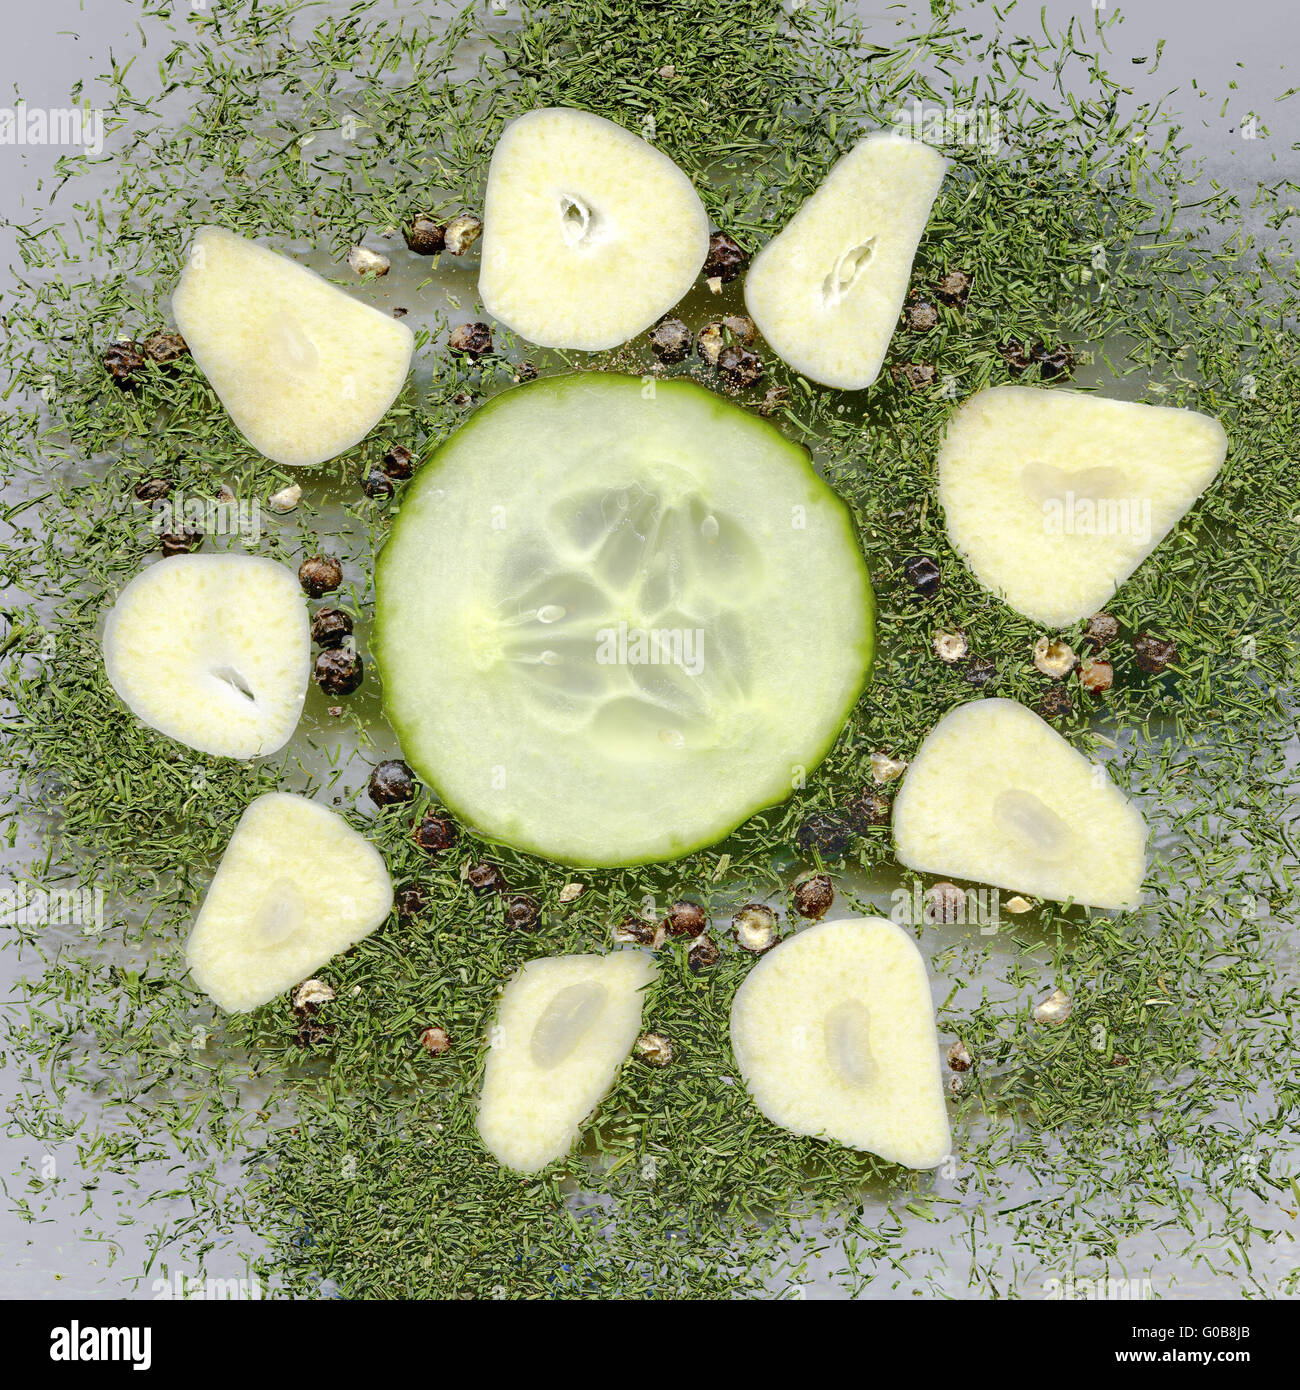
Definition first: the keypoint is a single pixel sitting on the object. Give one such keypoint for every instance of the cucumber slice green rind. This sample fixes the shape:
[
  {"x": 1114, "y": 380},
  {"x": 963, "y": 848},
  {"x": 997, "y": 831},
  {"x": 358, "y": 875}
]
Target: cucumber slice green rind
[{"x": 490, "y": 508}]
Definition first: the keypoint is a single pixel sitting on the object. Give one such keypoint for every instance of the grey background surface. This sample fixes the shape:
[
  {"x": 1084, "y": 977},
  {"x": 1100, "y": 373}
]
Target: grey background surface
[{"x": 47, "y": 47}]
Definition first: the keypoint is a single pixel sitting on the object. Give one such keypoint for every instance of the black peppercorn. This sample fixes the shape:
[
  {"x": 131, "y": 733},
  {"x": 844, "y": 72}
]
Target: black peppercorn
[
  {"x": 485, "y": 878},
  {"x": 122, "y": 360},
  {"x": 339, "y": 670},
  {"x": 703, "y": 953},
  {"x": 686, "y": 918},
  {"x": 923, "y": 575},
  {"x": 813, "y": 895},
  {"x": 521, "y": 912},
  {"x": 153, "y": 489},
  {"x": 1154, "y": 653},
  {"x": 435, "y": 833},
  {"x": 670, "y": 341},
  {"x": 867, "y": 810},
  {"x": 410, "y": 902},
  {"x": 165, "y": 347},
  {"x": 739, "y": 367},
  {"x": 725, "y": 259},
  {"x": 390, "y": 782},
  {"x": 318, "y": 574},
  {"x": 954, "y": 288},
  {"x": 397, "y": 462},
  {"x": 1102, "y": 630},
  {"x": 472, "y": 340},
  {"x": 423, "y": 235},
  {"x": 376, "y": 483},
  {"x": 826, "y": 835},
  {"x": 980, "y": 671},
  {"x": 921, "y": 317},
  {"x": 1056, "y": 703},
  {"x": 331, "y": 627},
  {"x": 180, "y": 542},
  {"x": 525, "y": 371}
]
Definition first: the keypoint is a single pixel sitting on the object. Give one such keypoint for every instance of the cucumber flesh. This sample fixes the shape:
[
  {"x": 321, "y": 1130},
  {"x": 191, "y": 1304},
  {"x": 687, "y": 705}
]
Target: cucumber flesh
[{"x": 614, "y": 620}]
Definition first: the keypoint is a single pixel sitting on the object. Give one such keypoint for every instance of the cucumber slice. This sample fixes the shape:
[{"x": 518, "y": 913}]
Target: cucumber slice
[{"x": 615, "y": 620}]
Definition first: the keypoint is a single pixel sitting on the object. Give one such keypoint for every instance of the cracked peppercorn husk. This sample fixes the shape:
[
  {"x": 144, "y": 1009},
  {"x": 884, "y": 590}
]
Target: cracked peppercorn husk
[
  {"x": 710, "y": 341},
  {"x": 754, "y": 927},
  {"x": 653, "y": 1049},
  {"x": 339, "y": 670},
  {"x": 286, "y": 499},
  {"x": 1153, "y": 654},
  {"x": 741, "y": 327},
  {"x": 1055, "y": 364},
  {"x": 923, "y": 575},
  {"x": 311, "y": 994},
  {"x": 686, "y": 919},
  {"x": 525, "y": 371},
  {"x": 571, "y": 892},
  {"x": 435, "y": 1040},
  {"x": 398, "y": 462},
  {"x": 423, "y": 235},
  {"x": 921, "y": 316},
  {"x": 363, "y": 261},
  {"x": 885, "y": 768},
  {"x": 813, "y": 895},
  {"x": 485, "y": 878},
  {"x": 670, "y": 341},
  {"x": 703, "y": 953},
  {"x": 725, "y": 259},
  {"x": 331, "y": 627},
  {"x": 391, "y": 782},
  {"x": 917, "y": 375},
  {"x": 1053, "y": 657},
  {"x": 320, "y": 575},
  {"x": 950, "y": 647},
  {"x": 434, "y": 833},
  {"x": 472, "y": 340},
  {"x": 959, "y": 1058},
  {"x": 1055, "y": 1009},
  {"x": 461, "y": 233}
]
